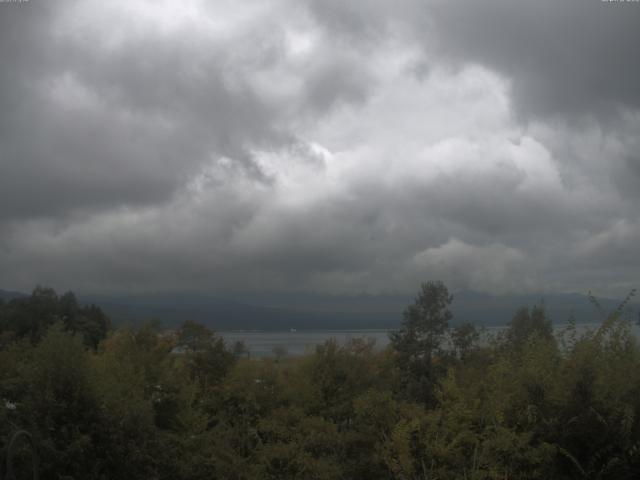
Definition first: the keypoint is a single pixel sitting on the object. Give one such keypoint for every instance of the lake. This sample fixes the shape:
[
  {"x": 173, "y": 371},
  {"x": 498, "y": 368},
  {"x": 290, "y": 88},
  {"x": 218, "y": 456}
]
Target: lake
[{"x": 300, "y": 342}]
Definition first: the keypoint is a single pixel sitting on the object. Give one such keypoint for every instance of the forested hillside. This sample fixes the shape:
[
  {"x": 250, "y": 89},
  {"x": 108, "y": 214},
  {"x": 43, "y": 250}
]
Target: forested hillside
[{"x": 439, "y": 403}]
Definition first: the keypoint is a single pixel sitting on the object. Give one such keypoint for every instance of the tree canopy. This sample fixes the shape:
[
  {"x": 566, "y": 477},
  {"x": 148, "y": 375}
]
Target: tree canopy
[
  {"x": 153, "y": 404},
  {"x": 30, "y": 317},
  {"x": 420, "y": 339}
]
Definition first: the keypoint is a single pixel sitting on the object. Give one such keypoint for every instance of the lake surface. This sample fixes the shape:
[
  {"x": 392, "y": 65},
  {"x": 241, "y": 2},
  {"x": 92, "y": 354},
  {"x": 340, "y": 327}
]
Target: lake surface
[{"x": 263, "y": 343}]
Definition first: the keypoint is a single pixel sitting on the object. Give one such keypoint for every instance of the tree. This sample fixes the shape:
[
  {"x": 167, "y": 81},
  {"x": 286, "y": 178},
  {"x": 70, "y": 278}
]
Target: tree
[
  {"x": 240, "y": 349},
  {"x": 420, "y": 339},
  {"x": 193, "y": 336},
  {"x": 279, "y": 351},
  {"x": 525, "y": 324},
  {"x": 62, "y": 410},
  {"x": 464, "y": 338},
  {"x": 31, "y": 317},
  {"x": 206, "y": 356}
]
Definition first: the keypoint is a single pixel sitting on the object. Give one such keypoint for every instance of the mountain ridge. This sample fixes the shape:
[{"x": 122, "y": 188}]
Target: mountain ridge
[{"x": 272, "y": 312}]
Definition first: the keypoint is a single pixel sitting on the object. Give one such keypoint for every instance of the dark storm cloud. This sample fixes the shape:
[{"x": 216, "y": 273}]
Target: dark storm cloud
[
  {"x": 355, "y": 21},
  {"x": 88, "y": 125},
  {"x": 95, "y": 118},
  {"x": 626, "y": 173},
  {"x": 565, "y": 58},
  {"x": 320, "y": 145},
  {"x": 337, "y": 84}
]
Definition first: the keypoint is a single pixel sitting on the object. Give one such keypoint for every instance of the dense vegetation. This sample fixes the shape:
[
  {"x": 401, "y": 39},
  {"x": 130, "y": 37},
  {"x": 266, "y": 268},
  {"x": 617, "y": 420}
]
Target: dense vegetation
[{"x": 439, "y": 403}]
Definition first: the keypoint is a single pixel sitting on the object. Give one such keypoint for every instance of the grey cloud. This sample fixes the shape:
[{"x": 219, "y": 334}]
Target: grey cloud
[
  {"x": 566, "y": 58},
  {"x": 488, "y": 267},
  {"x": 626, "y": 171},
  {"x": 97, "y": 129},
  {"x": 338, "y": 83},
  {"x": 182, "y": 160},
  {"x": 353, "y": 21},
  {"x": 101, "y": 124},
  {"x": 377, "y": 240}
]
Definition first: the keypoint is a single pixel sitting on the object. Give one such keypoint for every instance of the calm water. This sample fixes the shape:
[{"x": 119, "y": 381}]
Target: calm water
[{"x": 262, "y": 344}]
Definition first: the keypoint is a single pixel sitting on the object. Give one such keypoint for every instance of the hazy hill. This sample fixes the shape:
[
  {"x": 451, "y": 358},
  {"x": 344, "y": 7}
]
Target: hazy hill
[
  {"x": 7, "y": 295},
  {"x": 303, "y": 311},
  {"x": 313, "y": 311}
]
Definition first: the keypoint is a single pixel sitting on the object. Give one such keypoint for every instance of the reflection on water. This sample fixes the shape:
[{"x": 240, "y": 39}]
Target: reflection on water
[{"x": 299, "y": 342}]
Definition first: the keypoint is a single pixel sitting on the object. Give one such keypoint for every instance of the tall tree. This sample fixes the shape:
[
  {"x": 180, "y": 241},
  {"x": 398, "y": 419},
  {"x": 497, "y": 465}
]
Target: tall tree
[
  {"x": 526, "y": 323},
  {"x": 31, "y": 317},
  {"x": 464, "y": 339},
  {"x": 205, "y": 353},
  {"x": 420, "y": 338}
]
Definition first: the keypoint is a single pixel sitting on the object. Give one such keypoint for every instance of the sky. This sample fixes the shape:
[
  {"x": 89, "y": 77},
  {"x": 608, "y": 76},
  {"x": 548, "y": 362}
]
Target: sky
[{"x": 320, "y": 146}]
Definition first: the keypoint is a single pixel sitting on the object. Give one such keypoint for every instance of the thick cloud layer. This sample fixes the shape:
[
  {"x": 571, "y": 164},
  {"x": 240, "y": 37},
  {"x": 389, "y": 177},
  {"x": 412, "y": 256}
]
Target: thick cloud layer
[
  {"x": 566, "y": 58},
  {"x": 328, "y": 146}
]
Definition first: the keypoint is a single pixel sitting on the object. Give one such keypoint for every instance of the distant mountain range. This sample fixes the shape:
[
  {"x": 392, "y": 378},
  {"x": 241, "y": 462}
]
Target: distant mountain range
[
  {"x": 7, "y": 295},
  {"x": 313, "y": 311}
]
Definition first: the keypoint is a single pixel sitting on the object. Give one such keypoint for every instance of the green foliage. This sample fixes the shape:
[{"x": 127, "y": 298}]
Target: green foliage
[
  {"x": 59, "y": 406},
  {"x": 205, "y": 354},
  {"x": 420, "y": 339},
  {"x": 30, "y": 317},
  {"x": 527, "y": 323},
  {"x": 464, "y": 339},
  {"x": 162, "y": 405}
]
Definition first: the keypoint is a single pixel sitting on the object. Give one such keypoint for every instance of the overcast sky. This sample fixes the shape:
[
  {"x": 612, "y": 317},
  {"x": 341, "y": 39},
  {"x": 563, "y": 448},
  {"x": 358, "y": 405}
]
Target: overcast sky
[{"x": 329, "y": 146}]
